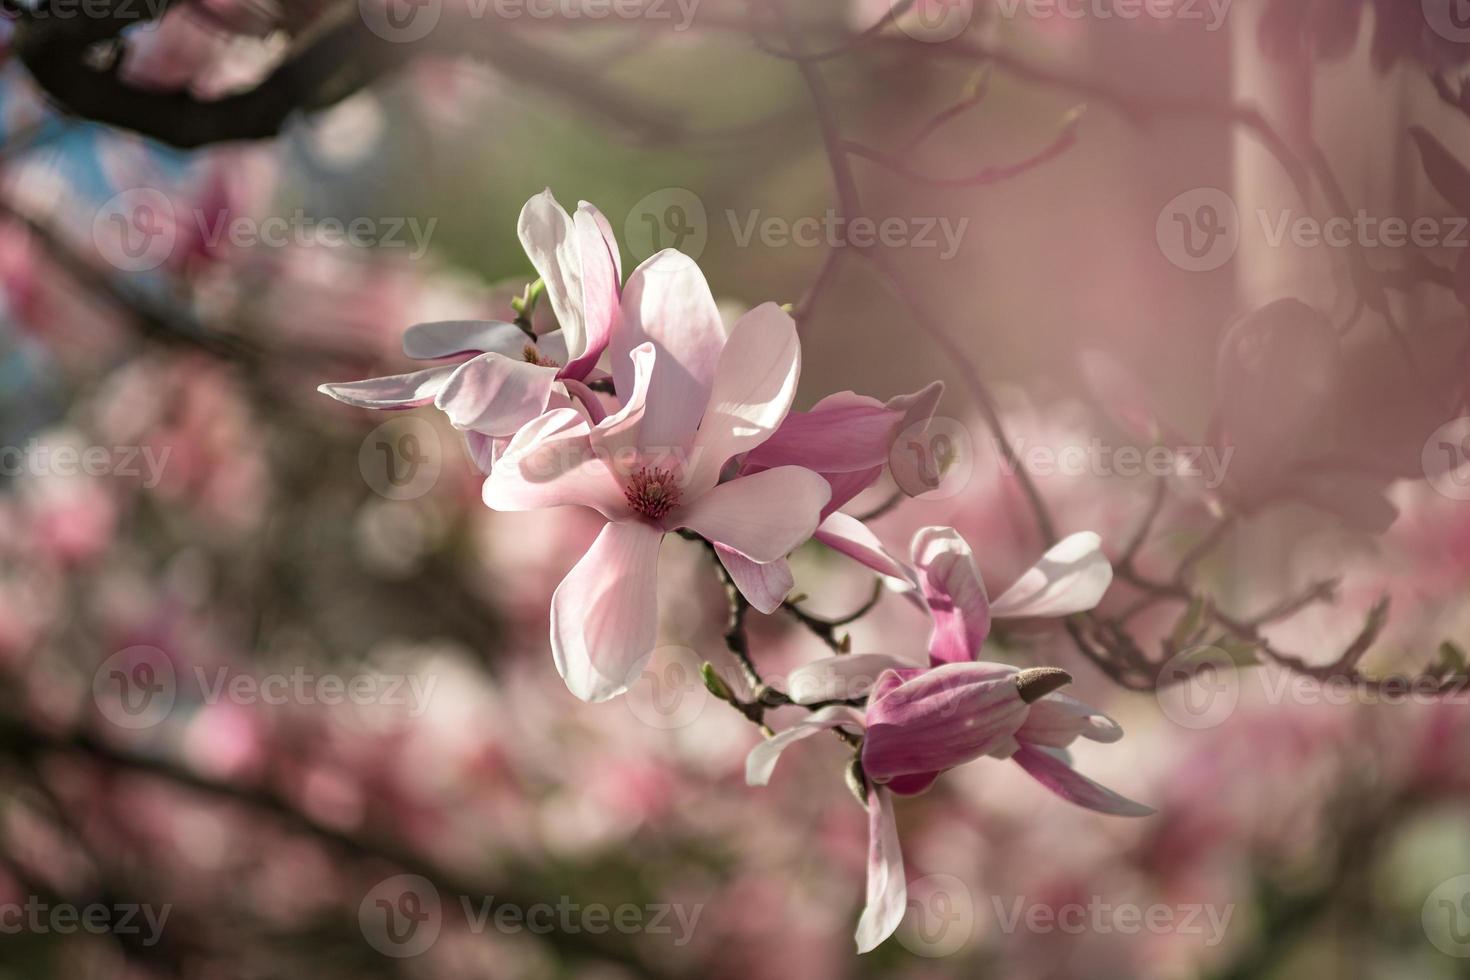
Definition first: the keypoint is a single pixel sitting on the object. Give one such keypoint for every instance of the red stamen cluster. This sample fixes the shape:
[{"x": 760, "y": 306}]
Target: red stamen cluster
[{"x": 653, "y": 492}]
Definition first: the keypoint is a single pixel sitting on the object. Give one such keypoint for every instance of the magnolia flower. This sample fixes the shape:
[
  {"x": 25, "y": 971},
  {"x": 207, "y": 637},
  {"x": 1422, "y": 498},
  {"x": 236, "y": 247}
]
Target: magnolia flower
[
  {"x": 921, "y": 722},
  {"x": 501, "y": 378},
  {"x": 693, "y": 400}
]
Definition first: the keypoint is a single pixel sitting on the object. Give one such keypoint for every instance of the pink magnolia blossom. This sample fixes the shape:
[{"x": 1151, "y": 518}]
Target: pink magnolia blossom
[
  {"x": 500, "y": 378},
  {"x": 920, "y": 722},
  {"x": 694, "y": 400}
]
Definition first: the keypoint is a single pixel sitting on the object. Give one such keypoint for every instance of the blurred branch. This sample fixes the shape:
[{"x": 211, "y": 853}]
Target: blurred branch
[{"x": 29, "y": 744}]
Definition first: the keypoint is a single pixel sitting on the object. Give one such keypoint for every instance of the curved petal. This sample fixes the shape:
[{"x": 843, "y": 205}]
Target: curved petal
[
  {"x": 940, "y": 719},
  {"x": 764, "y": 516},
  {"x": 617, "y": 436},
  {"x": 840, "y": 678},
  {"x": 552, "y": 346},
  {"x": 495, "y": 394},
  {"x": 1070, "y": 578},
  {"x": 667, "y": 301},
  {"x": 448, "y": 338},
  {"x": 551, "y": 463},
  {"x": 844, "y": 432},
  {"x": 751, "y": 393},
  {"x": 604, "y": 615},
  {"x": 551, "y": 242},
  {"x": 602, "y": 277},
  {"x": 847, "y": 534},
  {"x": 761, "y": 761},
  {"x": 954, "y": 593},
  {"x": 394, "y": 391},
  {"x": 887, "y": 888},
  {"x": 912, "y": 784},
  {"x": 1051, "y": 771},
  {"x": 765, "y": 586},
  {"x": 1058, "y": 719}
]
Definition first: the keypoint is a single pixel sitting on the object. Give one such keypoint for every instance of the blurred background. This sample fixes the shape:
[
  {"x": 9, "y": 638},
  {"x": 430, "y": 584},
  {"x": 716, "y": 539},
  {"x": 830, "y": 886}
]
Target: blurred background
[{"x": 278, "y": 698}]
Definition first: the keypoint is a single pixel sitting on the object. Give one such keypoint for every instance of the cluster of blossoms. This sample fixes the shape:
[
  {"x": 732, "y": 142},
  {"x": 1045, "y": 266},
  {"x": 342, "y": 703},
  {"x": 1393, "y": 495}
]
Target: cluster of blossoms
[{"x": 641, "y": 406}]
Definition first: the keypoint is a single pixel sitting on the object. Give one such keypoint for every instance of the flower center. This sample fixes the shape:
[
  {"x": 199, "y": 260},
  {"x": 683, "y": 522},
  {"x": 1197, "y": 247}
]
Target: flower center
[
  {"x": 534, "y": 356},
  {"x": 653, "y": 492}
]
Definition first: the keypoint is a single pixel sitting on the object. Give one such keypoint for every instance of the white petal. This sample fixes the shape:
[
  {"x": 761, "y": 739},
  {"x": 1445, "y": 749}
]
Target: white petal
[{"x": 1070, "y": 578}]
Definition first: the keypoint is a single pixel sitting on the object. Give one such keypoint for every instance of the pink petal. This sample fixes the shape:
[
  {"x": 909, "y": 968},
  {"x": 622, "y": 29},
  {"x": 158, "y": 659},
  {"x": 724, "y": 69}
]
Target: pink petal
[
  {"x": 484, "y": 450},
  {"x": 551, "y": 463},
  {"x": 1058, "y": 719},
  {"x": 604, "y": 615},
  {"x": 495, "y": 394},
  {"x": 751, "y": 393},
  {"x": 940, "y": 719},
  {"x": 618, "y": 435},
  {"x": 1049, "y": 770},
  {"x": 954, "y": 593},
  {"x": 1070, "y": 578},
  {"x": 841, "y": 433},
  {"x": 667, "y": 301},
  {"x": 448, "y": 338},
  {"x": 765, "y": 586},
  {"x": 395, "y": 391},
  {"x": 887, "y": 888},
  {"x": 602, "y": 276},
  {"x": 846, "y": 486},
  {"x": 550, "y": 239},
  {"x": 847, "y": 534},
  {"x": 764, "y": 516},
  {"x": 839, "y": 678},
  {"x": 761, "y": 761}
]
